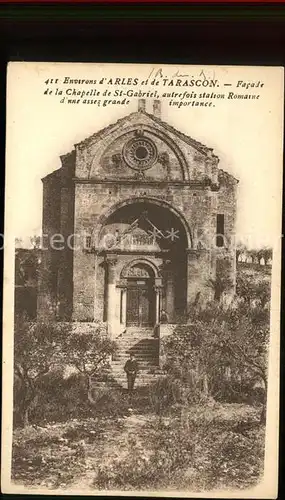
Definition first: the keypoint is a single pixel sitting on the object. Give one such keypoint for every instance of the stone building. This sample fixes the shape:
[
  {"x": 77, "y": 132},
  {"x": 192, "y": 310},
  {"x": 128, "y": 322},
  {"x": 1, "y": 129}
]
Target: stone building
[{"x": 136, "y": 222}]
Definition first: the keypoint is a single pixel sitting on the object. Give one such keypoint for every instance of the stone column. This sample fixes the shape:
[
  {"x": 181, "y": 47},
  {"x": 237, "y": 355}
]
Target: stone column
[
  {"x": 170, "y": 295},
  {"x": 124, "y": 306},
  {"x": 111, "y": 293},
  {"x": 157, "y": 303}
]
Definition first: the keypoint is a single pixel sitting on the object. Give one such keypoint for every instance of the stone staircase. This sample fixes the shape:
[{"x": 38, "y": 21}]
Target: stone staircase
[{"x": 141, "y": 342}]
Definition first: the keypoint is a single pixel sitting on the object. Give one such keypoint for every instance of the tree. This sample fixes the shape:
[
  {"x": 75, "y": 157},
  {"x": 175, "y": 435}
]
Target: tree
[
  {"x": 35, "y": 242},
  {"x": 262, "y": 293},
  {"x": 26, "y": 267},
  {"x": 218, "y": 343},
  {"x": 244, "y": 288},
  {"x": 41, "y": 348},
  {"x": 255, "y": 255},
  {"x": 36, "y": 353},
  {"x": 253, "y": 290},
  {"x": 267, "y": 254},
  {"x": 18, "y": 243},
  {"x": 219, "y": 285},
  {"x": 240, "y": 249},
  {"x": 88, "y": 353},
  {"x": 222, "y": 281}
]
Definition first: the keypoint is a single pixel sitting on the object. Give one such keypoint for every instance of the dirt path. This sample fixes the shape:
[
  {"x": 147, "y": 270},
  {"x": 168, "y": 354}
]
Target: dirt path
[
  {"x": 71, "y": 454},
  {"x": 131, "y": 430}
]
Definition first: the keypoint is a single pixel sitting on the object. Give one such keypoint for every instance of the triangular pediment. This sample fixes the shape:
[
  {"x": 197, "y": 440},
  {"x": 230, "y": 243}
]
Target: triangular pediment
[
  {"x": 147, "y": 119},
  {"x": 141, "y": 146},
  {"x": 144, "y": 147}
]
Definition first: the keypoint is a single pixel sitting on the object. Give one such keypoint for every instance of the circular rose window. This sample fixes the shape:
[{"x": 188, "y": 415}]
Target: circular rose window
[{"x": 140, "y": 154}]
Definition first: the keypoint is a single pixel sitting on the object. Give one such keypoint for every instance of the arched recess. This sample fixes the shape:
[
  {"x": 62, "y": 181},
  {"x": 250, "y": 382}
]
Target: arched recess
[
  {"x": 139, "y": 302},
  {"x": 160, "y": 134},
  {"x": 145, "y": 200},
  {"x": 140, "y": 261}
]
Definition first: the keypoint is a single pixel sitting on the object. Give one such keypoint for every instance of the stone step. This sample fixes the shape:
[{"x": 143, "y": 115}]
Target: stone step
[
  {"x": 137, "y": 337},
  {"x": 137, "y": 343},
  {"x": 134, "y": 350},
  {"x": 141, "y": 340},
  {"x": 147, "y": 370},
  {"x": 133, "y": 340},
  {"x": 142, "y": 369},
  {"x": 147, "y": 374},
  {"x": 142, "y": 363},
  {"x": 130, "y": 349},
  {"x": 141, "y": 375},
  {"x": 140, "y": 360},
  {"x": 139, "y": 329},
  {"x": 122, "y": 379},
  {"x": 146, "y": 352}
]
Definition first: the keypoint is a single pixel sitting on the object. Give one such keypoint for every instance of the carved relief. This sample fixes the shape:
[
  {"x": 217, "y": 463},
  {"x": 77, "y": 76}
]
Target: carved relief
[
  {"x": 117, "y": 160},
  {"x": 164, "y": 161},
  {"x": 136, "y": 272}
]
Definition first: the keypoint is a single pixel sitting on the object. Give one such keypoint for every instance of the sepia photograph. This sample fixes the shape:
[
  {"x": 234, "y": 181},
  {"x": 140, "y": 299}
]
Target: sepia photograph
[{"x": 142, "y": 280}]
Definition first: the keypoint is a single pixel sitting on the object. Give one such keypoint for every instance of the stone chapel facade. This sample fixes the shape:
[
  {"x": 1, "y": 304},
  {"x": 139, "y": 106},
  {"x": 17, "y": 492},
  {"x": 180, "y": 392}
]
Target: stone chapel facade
[{"x": 136, "y": 222}]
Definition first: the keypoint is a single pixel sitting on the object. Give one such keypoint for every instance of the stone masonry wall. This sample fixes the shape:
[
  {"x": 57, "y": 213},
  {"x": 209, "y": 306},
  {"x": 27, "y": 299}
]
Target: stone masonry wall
[{"x": 101, "y": 183}]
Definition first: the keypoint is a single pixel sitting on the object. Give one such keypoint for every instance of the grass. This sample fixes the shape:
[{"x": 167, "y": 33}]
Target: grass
[
  {"x": 120, "y": 444},
  {"x": 219, "y": 445}
]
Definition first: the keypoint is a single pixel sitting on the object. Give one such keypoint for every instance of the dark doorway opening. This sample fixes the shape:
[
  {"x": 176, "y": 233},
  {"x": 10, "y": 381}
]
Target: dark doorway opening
[{"x": 140, "y": 303}]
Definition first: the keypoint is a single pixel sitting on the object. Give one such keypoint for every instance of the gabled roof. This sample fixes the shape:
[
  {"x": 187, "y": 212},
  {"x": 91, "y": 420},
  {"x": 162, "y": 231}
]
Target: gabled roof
[
  {"x": 98, "y": 135},
  {"x": 137, "y": 114},
  {"x": 186, "y": 138}
]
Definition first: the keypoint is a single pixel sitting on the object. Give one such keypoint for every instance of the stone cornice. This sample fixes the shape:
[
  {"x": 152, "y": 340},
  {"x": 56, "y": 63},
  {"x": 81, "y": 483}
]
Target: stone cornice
[
  {"x": 146, "y": 182},
  {"x": 113, "y": 253}
]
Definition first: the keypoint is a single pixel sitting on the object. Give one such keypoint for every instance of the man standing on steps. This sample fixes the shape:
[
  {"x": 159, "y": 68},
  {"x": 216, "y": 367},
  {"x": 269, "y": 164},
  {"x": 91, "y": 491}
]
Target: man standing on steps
[{"x": 131, "y": 369}]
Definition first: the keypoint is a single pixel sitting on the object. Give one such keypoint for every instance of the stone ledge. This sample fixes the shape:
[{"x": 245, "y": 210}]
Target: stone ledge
[{"x": 167, "y": 329}]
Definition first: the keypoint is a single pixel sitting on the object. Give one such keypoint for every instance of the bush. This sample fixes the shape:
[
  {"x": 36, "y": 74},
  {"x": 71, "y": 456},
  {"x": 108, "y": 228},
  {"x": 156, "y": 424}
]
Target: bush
[
  {"x": 230, "y": 459},
  {"x": 220, "y": 352},
  {"x": 164, "y": 393},
  {"x": 197, "y": 452},
  {"x": 69, "y": 401},
  {"x": 142, "y": 469},
  {"x": 43, "y": 457}
]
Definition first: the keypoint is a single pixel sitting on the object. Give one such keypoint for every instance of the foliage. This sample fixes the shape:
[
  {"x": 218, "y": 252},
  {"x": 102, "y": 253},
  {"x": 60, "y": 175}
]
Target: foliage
[
  {"x": 35, "y": 241},
  {"x": 256, "y": 254},
  {"x": 196, "y": 443},
  {"x": 51, "y": 456},
  {"x": 87, "y": 351},
  {"x": 220, "y": 349},
  {"x": 240, "y": 249},
  {"x": 267, "y": 254},
  {"x": 26, "y": 267},
  {"x": 89, "y": 354},
  {"x": 165, "y": 393},
  {"x": 43, "y": 351},
  {"x": 209, "y": 446},
  {"x": 36, "y": 353},
  {"x": 191, "y": 454},
  {"x": 253, "y": 290},
  {"x": 222, "y": 280},
  {"x": 144, "y": 469}
]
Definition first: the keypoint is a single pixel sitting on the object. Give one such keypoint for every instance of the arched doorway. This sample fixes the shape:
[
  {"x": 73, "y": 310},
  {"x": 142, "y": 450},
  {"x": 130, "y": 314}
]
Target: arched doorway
[
  {"x": 140, "y": 301},
  {"x": 146, "y": 243}
]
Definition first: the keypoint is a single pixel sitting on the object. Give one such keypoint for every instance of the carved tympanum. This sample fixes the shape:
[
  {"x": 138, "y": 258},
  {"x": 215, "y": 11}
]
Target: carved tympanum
[{"x": 136, "y": 272}]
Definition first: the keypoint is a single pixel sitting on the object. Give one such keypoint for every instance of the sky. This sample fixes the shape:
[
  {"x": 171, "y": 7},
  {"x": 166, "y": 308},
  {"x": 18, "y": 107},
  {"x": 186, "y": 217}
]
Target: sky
[{"x": 245, "y": 134}]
